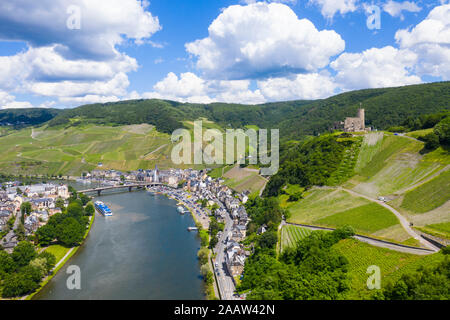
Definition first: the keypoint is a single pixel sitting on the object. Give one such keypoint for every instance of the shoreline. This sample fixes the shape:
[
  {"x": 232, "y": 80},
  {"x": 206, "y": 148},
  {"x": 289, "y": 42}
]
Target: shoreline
[{"x": 61, "y": 263}]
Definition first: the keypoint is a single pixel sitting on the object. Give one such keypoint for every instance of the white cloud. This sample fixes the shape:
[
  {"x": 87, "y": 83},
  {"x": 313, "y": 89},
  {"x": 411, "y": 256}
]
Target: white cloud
[
  {"x": 302, "y": 86},
  {"x": 329, "y": 8},
  {"x": 73, "y": 65},
  {"x": 188, "y": 87},
  {"x": 103, "y": 25},
  {"x": 395, "y": 8},
  {"x": 430, "y": 40},
  {"x": 8, "y": 101},
  {"x": 262, "y": 40},
  {"x": 375, "y": 68}
]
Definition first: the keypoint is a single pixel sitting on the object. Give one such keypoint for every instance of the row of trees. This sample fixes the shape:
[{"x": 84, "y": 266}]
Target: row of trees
[{"x": 23, "y": 269}]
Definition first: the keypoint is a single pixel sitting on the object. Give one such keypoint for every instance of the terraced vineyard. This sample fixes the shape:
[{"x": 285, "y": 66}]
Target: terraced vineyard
[
  {"x": 367, "y": 219},
  {"x": 290, "y": 235},
  {"x": 395, "y": 166},
  {"x": 73, "y": 150},
  {"x": 346, "y": 168},
  {"x": 428, "y": 196},
  {"x": 392, "y": 264}
]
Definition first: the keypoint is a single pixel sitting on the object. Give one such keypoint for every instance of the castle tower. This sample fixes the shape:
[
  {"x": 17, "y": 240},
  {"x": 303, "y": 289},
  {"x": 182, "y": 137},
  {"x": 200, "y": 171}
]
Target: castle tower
[{"x": 361, "y": 115}]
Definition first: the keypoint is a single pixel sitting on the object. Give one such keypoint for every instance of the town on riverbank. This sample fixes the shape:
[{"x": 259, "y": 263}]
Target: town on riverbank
[{"x": 27, "y": 212}]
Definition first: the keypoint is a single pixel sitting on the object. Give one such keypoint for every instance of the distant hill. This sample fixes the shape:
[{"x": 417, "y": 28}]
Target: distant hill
[
  {"x": 384, "y": 108},
  {"x": 27, "y": 117}
]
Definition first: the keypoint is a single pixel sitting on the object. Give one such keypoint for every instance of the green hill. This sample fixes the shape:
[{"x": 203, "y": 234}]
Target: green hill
[{"x": 384, "y": 108}]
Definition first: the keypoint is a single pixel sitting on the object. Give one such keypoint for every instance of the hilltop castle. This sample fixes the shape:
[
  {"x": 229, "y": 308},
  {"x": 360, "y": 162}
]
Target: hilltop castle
[{"x": 357, "y": 124}]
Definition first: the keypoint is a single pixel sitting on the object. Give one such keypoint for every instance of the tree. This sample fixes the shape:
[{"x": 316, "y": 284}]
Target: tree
[
  {"x": 442, "y": 130},
  {"x": 268, "y": 240},
  {"x": 431, "y": 141},
  {"x": 20, "y": 232},
  {"x": 23, "y": 253},
  {"x": 73, "y": 193},
  {"x": 90, "y": 210},
  {"x": 203, "y": 255},
  {"x": 50, "y": 260},
  {"x": 26, "y": 208},
  {"x": 75, "y": 210},
  {"x": 84, "y": 198},
  {"x": 46, "y": 234},
  {"x": 18, "y": 284},
  {"x": 59, "y": 203},
  {"x": 7, "y": 264},
  {"x": 70, "y": 232}
]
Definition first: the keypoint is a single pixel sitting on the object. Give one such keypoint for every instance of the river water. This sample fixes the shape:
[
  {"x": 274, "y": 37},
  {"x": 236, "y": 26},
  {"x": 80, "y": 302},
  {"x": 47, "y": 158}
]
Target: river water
[{"x": 142, "y": 252}]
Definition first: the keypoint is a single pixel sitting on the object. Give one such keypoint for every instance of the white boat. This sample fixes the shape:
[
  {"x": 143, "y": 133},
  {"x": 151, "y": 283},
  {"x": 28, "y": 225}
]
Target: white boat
[{"x": 103, "y": 209}]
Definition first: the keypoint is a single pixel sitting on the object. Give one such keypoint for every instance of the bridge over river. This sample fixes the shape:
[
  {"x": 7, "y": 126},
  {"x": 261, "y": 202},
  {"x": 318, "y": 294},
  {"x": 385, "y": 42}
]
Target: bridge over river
[{"x": 129, "y": 186}]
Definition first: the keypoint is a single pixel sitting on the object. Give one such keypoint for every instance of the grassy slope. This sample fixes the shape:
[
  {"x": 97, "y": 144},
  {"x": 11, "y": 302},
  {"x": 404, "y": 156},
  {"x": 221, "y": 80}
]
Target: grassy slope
[
  {"x": 73, "y": 150},
  {"x": 392, "y": 264},
  {"x": 368, "y": 218},
  {"x": 397, "y": 165},
  {"x": 428, "y": 196}
]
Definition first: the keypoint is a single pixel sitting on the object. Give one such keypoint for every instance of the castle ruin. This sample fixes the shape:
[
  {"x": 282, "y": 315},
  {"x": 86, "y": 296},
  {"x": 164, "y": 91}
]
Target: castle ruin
[{"x": 357, "y": 124}]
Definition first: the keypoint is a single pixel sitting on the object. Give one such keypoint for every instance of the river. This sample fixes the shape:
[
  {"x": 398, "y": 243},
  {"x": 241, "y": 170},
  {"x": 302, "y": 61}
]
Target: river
[{"x": 142, "y": 252}]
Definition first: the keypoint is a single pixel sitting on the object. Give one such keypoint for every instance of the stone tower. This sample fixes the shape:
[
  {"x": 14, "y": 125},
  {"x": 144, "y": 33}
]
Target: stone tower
[{"x": 361, "y": 115}]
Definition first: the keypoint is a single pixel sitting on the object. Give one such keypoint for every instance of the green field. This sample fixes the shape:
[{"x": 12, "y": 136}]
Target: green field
[
  {"x": 321, "y": 203},
  {"x": 70, "y": 151},
  {"x": 441, "y": 230},
  {"x": 58, "y": 251},
  {"x": 290, "y": 235},
  {"x": 392, "y": 264},
  {"x": 419, "y": 133},
  {"x": 368, "y": 218},
  {"x": 241, "y": 179},
  {"x": 428, "y": 196}
]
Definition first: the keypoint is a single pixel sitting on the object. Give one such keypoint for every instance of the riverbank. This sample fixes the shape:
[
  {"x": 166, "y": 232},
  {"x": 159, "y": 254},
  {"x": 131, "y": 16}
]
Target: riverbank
[{"x": 70, "y": 252}]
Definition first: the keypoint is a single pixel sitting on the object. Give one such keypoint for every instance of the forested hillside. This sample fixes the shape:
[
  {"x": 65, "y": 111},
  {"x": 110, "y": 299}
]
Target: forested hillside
[
  {"x": 26, "y": 117},
  {"x": 384, "y": 108}
]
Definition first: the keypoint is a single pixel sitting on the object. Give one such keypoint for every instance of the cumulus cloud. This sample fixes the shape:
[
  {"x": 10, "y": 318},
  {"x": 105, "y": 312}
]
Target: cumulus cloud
[
  {"x": 77, "y": 65},
  {"x": 302, "y": 86},
  {"x": 430, "y": 40},
  {"x": 188, "y": 87},
  {"x": 395, "y": 8},
  {"x": 329, "y": 8},
  {"x": 8, "y": 101},
  {"x": 261, "y": 40},
  {"x": 375, "y": 68},
  {"x": 104, "y": 24}
]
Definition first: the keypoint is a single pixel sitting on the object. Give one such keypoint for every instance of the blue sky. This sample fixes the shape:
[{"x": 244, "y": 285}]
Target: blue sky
[{"x": 65, "y": 53}]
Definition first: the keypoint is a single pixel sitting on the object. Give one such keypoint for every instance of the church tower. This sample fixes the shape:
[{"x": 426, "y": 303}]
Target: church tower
[{"x": 155, "y": 174}]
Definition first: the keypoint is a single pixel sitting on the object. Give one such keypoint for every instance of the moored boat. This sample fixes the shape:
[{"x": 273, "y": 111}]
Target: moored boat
[{"x": 103, "y": 209}]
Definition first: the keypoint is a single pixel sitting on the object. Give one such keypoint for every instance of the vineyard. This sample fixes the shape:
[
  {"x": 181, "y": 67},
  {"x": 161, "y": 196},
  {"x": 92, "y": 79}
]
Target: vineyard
[
  {"x": 392, "y": 264},
  {"x": 290, "y": 235}
]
